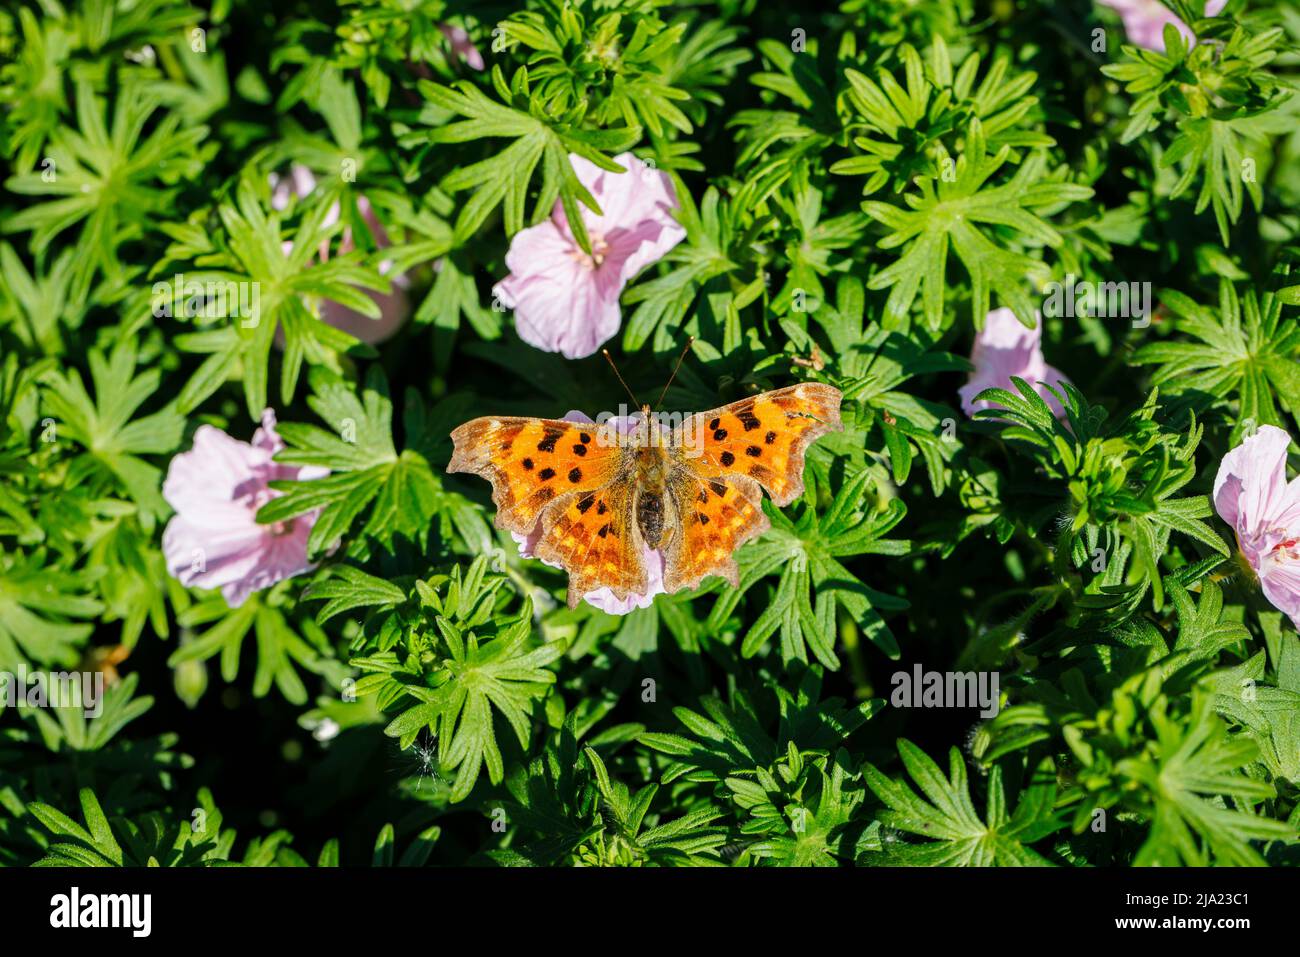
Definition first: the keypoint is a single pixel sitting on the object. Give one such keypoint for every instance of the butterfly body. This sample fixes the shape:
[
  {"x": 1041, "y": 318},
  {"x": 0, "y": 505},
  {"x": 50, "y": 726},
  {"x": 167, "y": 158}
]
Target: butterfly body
[
  {"x": 607, "y": 500},
  {"x": 653, "y": 468},
  {"x": 650, "y": 516}
]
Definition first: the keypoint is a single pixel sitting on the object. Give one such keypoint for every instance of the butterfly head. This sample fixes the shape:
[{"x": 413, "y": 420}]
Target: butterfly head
[{"x": 645, "y": 408}]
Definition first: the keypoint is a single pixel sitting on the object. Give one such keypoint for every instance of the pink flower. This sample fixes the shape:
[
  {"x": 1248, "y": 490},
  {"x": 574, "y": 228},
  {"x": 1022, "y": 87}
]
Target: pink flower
[
  {"x": 394, "y": 306},
  {"x": 1005, "y": 348},
  {"x": 565, "y": 300},
  {"x": 461, "y": 45},
  {"x": 216, "y": 488},
  {"x": 1252, "y": 495},
  {"x": 604, "y": 598},
  {"x": 1144, "y": 20}
]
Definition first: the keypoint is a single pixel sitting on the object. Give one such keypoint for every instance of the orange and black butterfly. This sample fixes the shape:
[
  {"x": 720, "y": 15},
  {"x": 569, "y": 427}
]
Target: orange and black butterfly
[{"x": 601, "y": 497}]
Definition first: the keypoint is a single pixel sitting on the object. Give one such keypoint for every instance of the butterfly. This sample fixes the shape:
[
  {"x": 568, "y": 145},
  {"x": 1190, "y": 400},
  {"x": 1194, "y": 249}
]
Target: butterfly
[{"x": 601, "y": 497}]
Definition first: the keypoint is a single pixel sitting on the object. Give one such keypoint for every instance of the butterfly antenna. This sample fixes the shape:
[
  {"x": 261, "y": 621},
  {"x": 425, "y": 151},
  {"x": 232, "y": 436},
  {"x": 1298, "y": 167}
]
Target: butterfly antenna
[
  {"x": 610, "y": 360},
  {"x": 689, "y": 341}
]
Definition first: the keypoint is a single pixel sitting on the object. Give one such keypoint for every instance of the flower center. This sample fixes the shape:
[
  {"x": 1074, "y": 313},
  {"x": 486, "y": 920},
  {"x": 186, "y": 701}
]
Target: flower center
[
  {"x": 599, "y": 250},
  {"x": 253, "y": 495},
  {"x": 1285, "y": 550}
]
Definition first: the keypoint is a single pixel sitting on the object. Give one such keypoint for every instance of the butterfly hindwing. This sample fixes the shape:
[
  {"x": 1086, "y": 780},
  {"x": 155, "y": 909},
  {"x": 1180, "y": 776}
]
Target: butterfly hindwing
[
  {"x": 593, "y": 535},
  {"x": 712, "y": 517},
  {"x": 763, "y": 437},
  {"x": 533, "y": 462}
]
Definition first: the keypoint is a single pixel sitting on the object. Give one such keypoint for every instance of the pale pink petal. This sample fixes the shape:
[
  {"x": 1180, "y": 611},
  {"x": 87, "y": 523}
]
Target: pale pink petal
[
  {"x": 636, "y": 219},
  {"x": 266, "y": 438},
  {"x": 281, "y": 555},
  {"x": 281, "y": 190},
  {"x": 566, "y": 299},
  {"x": 560, "y": 304},
  {"x": 1280, "y": 582},
  {"x": 207, "y": 481},
  {"x": 1005, "y": 347},
  {"x": 206, "y": 557},
  {"x": 541, "y": 251},
  {"x": 630, "y": 250},
  {"x": 1251, "y": 487},
  {"x": 462, "y": 46},
  {"x": 1145, "y": 20},
  {"x": 608, "y": 602},
  {"x": 214, "y": 540},
  {"x": 304, "y": 180},
  {"x": 300, "y": 182},
  {"x": 1252, "y": 494},
  {"x": 1227, "y": 494}
]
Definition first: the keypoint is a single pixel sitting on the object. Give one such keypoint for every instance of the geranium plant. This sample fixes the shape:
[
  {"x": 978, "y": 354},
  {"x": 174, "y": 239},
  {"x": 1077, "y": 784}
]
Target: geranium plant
[{"x": 1036, "y": 602}]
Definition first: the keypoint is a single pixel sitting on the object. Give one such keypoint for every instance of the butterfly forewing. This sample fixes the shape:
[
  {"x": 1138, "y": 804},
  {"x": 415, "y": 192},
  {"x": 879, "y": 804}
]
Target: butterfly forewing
[
  {"x": 533, "y": 463},
  {"x": 763, "y": 437}
]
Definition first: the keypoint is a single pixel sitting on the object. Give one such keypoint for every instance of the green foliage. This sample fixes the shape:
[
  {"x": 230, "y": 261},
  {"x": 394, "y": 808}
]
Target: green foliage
[
  {"x": 944, "y": 214},
  {"x": 860, "y": 183},
  {"x": 503, "y": 179},
  {"x": 914, "y": 118},
  {"x": 961, "y": 838},
  {"x": 449, "y": 662},
  {"x": 103, "y": 176},
  {"x": 398, "y": 491},
  {"x": 1219, "y": 91},
  {"x": 1244, "y": 351},
  {"x": 1119, "y": 480}
]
